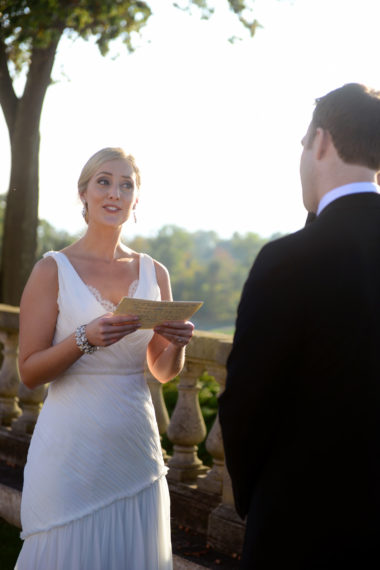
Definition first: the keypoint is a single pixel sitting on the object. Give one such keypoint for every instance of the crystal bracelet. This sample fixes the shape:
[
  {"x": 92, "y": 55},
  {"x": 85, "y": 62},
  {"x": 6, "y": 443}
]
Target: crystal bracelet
[{"x": 82, "y": 341}]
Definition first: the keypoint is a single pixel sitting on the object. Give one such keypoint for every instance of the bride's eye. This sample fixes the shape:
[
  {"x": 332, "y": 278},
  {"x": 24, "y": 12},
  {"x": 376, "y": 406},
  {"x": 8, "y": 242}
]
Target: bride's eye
[
  {"x": 103, "y": 181},
  {"x": 128, "y": 185}
]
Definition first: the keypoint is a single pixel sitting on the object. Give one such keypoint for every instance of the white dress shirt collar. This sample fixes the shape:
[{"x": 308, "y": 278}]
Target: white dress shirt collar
[{"x": 353, "y": 188}]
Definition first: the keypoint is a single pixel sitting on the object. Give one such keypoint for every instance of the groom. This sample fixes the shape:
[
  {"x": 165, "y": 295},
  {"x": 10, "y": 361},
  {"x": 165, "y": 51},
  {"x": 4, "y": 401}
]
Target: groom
[{"x": 300, "y": 415}]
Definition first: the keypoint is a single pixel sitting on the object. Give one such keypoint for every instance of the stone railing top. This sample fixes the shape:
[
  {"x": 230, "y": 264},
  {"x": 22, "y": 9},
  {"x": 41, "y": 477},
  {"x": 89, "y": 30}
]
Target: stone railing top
[
  {"x": 205, "y": 346},
  {"x": 9, "y": 318},
  {"x": 208, "y": 347}
]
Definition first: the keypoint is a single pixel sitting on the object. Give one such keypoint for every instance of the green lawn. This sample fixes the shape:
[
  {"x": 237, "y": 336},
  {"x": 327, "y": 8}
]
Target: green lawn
[{"x": 10, "y": 545}]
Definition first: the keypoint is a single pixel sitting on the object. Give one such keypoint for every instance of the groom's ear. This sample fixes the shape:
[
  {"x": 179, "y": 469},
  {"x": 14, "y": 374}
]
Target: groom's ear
[{"x": 321, "y": 143}]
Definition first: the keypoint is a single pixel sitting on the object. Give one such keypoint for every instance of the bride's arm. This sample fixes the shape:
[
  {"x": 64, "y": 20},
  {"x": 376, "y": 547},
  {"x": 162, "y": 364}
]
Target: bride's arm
[
  {"x": 166, "y": 350},
  {"x": 39, "y": 361}
]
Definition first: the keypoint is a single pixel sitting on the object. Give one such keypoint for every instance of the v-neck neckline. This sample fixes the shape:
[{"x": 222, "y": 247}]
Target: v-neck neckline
[{"x": 88, "y": 287}]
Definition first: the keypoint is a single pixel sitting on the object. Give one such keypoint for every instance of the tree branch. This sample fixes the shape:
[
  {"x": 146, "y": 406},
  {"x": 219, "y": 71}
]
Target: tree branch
[
  {"x": 8, "y": 97},
  {"x": 38, "y": 79}
]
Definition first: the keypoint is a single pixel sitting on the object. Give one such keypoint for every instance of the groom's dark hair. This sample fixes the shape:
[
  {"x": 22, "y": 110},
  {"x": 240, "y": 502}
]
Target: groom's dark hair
[{"x": 351, "y": 114}]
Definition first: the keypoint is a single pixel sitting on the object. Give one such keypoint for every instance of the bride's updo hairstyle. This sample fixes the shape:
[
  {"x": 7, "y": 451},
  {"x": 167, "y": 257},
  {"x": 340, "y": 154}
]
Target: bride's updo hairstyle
[{"x": 97, "y": 159}]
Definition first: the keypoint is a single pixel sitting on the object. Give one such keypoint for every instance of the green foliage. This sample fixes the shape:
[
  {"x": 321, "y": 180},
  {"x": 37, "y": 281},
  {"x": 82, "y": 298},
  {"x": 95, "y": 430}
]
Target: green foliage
[
  {"x": 244, "y": 12},
  {"x": 242, "y": 8},
  {"x": 25, "y": 24},
  {"x": 48, "y": 238},
  {"x": 30, "y": 31},
  {"x": 204, "y": 267}
]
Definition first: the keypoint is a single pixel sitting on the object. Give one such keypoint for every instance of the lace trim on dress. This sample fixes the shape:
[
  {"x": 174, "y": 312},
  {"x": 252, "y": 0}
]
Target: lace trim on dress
[
  {"x": 133, "y": 288},
  {"x": 108, "y": 305}
]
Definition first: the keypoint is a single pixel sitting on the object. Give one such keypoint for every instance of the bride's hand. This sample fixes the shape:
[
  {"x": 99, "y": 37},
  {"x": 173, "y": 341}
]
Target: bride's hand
[
  {"x": 179, "y": 333},
  {"x": 110, "y": 328}
]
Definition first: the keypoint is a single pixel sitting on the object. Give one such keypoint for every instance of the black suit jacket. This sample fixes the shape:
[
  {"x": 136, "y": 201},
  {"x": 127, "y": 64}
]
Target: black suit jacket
[{"x": 300, "y": 415}]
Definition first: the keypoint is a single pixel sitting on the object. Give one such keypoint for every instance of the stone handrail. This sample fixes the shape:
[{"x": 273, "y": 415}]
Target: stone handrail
[{"x": 207, "y": 352}]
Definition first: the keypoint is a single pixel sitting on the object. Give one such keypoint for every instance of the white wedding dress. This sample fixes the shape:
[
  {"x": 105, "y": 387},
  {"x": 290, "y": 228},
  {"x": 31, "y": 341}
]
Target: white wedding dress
[{"x": 95, "y": 495}]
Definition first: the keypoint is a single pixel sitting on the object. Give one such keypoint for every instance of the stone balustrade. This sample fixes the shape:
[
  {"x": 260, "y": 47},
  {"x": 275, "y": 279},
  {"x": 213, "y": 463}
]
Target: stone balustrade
[
  {"x": 9, "y": 378},
  {"x": 201, "y": 495}
]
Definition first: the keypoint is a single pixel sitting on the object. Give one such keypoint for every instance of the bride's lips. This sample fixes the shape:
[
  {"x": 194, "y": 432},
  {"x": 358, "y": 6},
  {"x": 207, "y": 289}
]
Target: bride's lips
[{"x": 111, "y": 208}]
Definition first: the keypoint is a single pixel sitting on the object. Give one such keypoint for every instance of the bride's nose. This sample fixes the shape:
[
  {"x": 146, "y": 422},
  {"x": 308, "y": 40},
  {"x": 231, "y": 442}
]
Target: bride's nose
[{"x": 114, "y": 192}]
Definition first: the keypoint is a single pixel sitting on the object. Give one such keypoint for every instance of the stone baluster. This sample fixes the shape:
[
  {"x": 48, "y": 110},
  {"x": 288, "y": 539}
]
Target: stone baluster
[
  {"x": 212, "y": 482},
  {"x": 9, "y": 378},
  {"x": 225, "y": 528},
  {"x": 162, "y": 415},
  {"x": 31, "y": 403},
  {"x": 187, "y": 427}
]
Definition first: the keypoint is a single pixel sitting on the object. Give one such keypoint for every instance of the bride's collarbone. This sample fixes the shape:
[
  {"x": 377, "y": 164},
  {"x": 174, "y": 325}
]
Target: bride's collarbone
[
  {"x": 119, "y": 270},
  {"x": 112, "y": 287},
  {"x": 111, "y": 279}
]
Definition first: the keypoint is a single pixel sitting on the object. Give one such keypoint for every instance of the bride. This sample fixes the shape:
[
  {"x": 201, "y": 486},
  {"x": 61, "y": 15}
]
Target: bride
[{"x": 95, "y": 495}]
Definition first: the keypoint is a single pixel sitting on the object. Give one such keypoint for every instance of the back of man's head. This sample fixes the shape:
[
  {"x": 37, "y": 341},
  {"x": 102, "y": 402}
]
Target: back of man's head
[{"x": 351, "y": 114}]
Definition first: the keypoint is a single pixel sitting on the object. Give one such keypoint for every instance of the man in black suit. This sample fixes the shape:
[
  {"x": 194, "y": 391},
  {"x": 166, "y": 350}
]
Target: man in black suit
[{"x": 300, "y": 414}]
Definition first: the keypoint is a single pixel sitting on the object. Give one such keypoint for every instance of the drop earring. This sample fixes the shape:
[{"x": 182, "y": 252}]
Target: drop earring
[
  {"x": 85, "y": 210},
  {"x": 134, "y": 216}
]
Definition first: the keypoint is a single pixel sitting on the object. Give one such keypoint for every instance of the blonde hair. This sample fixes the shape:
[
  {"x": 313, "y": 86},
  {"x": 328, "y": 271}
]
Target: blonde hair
[{"x": 97, "y": 159}]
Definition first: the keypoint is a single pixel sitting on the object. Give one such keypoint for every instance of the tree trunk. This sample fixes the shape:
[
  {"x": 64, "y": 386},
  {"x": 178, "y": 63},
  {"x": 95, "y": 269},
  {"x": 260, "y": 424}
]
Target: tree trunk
[{"x": 21, "y": 215}]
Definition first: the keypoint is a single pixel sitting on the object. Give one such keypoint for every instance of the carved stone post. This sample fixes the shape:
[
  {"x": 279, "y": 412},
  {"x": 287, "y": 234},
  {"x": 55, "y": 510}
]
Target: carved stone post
[
  {"x": 31, "y": 403},
  {"x": 9, "y": 378},
  {"x": 212, "y": 482},
  {"x": 187, "y": 427},
  {"x": 225, "y": 527},
  {"x": 162, "y": 415}
]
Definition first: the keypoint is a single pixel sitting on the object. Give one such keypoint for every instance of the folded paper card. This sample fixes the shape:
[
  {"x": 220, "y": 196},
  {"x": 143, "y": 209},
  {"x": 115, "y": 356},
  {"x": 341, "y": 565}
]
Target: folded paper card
[{"x": 153, "y": 313}]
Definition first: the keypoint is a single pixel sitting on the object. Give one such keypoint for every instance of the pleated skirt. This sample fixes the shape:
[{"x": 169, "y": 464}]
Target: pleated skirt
[{"x": 129, "y": 534}]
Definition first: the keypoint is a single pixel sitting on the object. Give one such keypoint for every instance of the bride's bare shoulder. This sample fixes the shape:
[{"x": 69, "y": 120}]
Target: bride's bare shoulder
[
  {"x": 43, "y": 280},
  {"x": 45, "y": 267}
]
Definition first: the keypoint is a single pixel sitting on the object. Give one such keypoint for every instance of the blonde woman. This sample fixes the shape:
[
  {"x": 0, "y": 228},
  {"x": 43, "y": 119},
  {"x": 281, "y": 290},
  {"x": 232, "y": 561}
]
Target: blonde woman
[{"x": 95, "y": 495}]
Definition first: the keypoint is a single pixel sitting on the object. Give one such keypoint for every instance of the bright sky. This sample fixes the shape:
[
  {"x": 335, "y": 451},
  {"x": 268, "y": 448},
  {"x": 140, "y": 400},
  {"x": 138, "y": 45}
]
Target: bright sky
[{"x": 215, "y": 127}]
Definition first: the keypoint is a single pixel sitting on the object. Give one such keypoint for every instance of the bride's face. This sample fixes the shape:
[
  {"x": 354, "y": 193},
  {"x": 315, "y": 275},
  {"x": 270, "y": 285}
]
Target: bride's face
[{"x": 111, "y": 193}]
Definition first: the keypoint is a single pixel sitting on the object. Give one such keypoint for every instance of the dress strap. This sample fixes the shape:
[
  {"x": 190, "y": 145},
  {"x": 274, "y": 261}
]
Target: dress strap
[
  {"x": 147, "y": 268},
  {"x": 63, "y": 265},
  {"x": 51, "y": 253},
  {"x": 148, "y": 278},
  {"x": 67, "y": 274},
  {"x": 61, "y": 260}
]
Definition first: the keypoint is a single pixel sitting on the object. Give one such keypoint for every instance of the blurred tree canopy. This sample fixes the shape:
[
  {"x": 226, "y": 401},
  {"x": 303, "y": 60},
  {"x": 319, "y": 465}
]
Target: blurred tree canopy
[
  {"x": 30, "y": 31},
  {"x": 202, "y": 266},
  {"x": 48, "y": 237}
]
